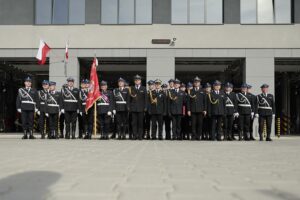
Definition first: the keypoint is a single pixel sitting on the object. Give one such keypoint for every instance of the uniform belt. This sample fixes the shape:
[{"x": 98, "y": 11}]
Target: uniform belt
[
  {"x": 83, "y": 103},
  {"x": 70, "y": 100},
  {"x": 53, "y": 105},
  {"x": 42, "y": 103},
  {"x": 244, "y": 105},
  {"x": 103, "y": 104},
  {"x": 265, "y": 107},
  {"x": 229, "y": 105},
  {"x": 121, "y": 102},
  {"x": 31, "y": 102}
]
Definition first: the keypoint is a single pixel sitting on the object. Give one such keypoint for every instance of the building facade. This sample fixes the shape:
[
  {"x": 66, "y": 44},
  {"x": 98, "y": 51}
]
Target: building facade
[{"x": 253, "y": 41}]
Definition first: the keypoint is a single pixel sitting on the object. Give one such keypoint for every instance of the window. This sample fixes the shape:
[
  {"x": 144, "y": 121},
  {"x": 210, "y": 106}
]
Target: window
[
  {"x": 126, "y": 11},
  {"x": 60, "y": 12},
  {"x": 197, "y": 11},
  {"x": 265, "y": 11}
]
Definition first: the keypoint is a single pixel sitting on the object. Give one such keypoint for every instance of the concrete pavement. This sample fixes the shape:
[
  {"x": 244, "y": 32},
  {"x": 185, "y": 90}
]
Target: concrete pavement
[{"x": 160, "y": 170}]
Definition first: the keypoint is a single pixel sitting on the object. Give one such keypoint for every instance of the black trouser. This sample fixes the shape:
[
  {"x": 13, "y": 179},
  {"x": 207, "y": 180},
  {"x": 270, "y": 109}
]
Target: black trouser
[
  {"x": 244, "y": 124},
  {"x": 104, "y": 123},
  {"x": 81, "y": 125},
  {"x": 147, "y": 125},
  {"x": 121, "y": 117},
  {"x": 43, "y": 122},
  {"x": 206, "y": 128},
  {"x": 261, "y": 120},
  {"x": 70, "y": 118},
  {"x": 185, "y": 127},
  {"x": 156, "y": 120},
  {"x": 62, "y": 124},
  {"x": 251, "y": 127},
  {"x": 88, "y": 119},
  {"x": 53, "y": 124},
  {"x": 197, "y": 122},
  {"x": 137, "y": 124},
  {"x": 216, "y": 126},
  {"x": 228, "y": 123},
  {"x": 167, "y": 120},
  {"x": 27, "y": 117},
  {"x": 176, "y": 127}
]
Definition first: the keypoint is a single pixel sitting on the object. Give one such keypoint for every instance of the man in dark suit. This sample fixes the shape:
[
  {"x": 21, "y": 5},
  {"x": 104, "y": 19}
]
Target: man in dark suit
[
  {"x": 265, "y": 111},
  {"x": 197, "y": 108},
  {"x": 216, "y": 107},
  {"x": 138, "y": 106},
  {"x": 176, "y": 99}
]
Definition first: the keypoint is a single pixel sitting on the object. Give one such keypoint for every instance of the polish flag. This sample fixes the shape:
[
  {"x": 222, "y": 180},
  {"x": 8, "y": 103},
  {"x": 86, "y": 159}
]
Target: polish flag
[
  {"x": 42, "y": 52},
  {"x": 67, "y": 51}
]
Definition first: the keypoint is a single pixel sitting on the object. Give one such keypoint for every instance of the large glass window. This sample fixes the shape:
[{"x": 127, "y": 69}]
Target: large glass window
[
  {"x": 60, "y": 11},
  {"x": 197, "y": 11},
  {"x": 265, "y": 11},
  {"x": 126, "y": 11}
]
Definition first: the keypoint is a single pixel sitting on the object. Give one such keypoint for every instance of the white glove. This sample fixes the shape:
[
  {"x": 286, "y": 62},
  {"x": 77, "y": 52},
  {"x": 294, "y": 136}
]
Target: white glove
[
  {"x": 109, "y": 113},
  {"x": 80, "y": 113},
  {"x": 19, "y": 110},
  {"x": 38, "y": 112},
  {"x": 59, "y": 113},
  {"x": 273, "y": 115},
  {"x": 62, "y": 110},
  {"x": 47, "y": 115},
  {"x": 256, "y": 116},
  {"x": 114, "y": 112},
  {"x": 252, "y": 114},
  {"x": 77, "y": 111},
  {"x": 35, "y": 110},
  {"x": 235, "y": 115},
  {"x": 204, "y": 113}
]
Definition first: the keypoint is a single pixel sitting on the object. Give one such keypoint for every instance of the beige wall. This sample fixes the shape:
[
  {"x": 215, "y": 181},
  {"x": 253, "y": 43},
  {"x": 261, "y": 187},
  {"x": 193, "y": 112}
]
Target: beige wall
[{"x": 139, "y": 36}]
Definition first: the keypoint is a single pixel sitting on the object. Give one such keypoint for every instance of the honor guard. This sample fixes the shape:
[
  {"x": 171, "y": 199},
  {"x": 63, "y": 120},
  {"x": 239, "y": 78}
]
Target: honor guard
[
  {"x": 216, "y": 104},
  {"x": 85, "y": 118},
  {"x": 151, "y": 87},
  {"x": 197, "y": 108},
  {"x": 246, "y": 111},
  {"x": 121, "y": 100},
  {"x": 53, "y": 108},
  {"x": 70, "y": 106},
  {"x": 206, "y": 120},
  {"x": 231, "y": 112},
  {"x": 265, "y": 111},
  {"x": 26, "y": 105},
  {"x": 176, "y": 99},
  {"x": 168, "y": 118},
  {"x": 105, "y": 107},
  {"x": 157, "y": 109},
  {"x": 249, "y": 88},
  {"x": 138, "y": 105},
  {"x": 185, "y": 134},
  {"x": 42, "y": 97}
]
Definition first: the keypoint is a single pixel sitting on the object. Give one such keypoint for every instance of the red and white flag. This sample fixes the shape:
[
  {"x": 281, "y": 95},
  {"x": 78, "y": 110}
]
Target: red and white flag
[
  {"x": 94, "y": 90},
  {"x": 42, "y": 52},
  {"x": 67, "y": 51}
]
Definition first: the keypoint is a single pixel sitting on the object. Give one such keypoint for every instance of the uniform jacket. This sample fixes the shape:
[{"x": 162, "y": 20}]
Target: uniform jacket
[
  {"x": 265, "y": 104},
  {"x": 106, "y": 102},
  {"x": 231, "y": 103},
  {"x": 27, "y": 99},
  {"x": 196, "y": 101},
  {"x": 42, "y": 98},
  {"x": 121, "y": 99},
  {"x": 245, "y": 103},
  {"x": 138, "y": 99},
  {"x": 70, "y": 98},
  {"x": 176, "y": 102},
  {"x": 83, "y": 94},
  {"x": 54, "y": 102},
  {"x": 216, "y": 103},
  {"x": 158, "y": 103}
]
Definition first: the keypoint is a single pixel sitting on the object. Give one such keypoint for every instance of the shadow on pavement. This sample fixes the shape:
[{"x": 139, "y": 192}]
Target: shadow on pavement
[
  {"x": 279, "y": 194},
  {"x": 32, "y": 185}
]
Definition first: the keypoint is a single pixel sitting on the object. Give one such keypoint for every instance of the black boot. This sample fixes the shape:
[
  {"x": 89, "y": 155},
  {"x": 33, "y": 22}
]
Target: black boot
[
  {"x": 251, "y": 136},
  {"x": 42, "y": 135},
  {"x": 31, "y": 135},
  {"x": 240, "y": 136},
  {"x": 67, "y": 135},
  {"x": 25, "y": 135},
  {"x": 73, "y": 135},
  {"x": 268, "y": 137}
]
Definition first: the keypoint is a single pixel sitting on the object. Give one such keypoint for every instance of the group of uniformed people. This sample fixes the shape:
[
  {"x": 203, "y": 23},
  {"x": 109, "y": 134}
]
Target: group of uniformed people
[{"x": 186, "y": 111}]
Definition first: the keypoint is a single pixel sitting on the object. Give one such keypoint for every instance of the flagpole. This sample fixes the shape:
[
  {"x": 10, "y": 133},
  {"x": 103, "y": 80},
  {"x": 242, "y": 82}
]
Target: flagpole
[{"x": 95, "y": 119}]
